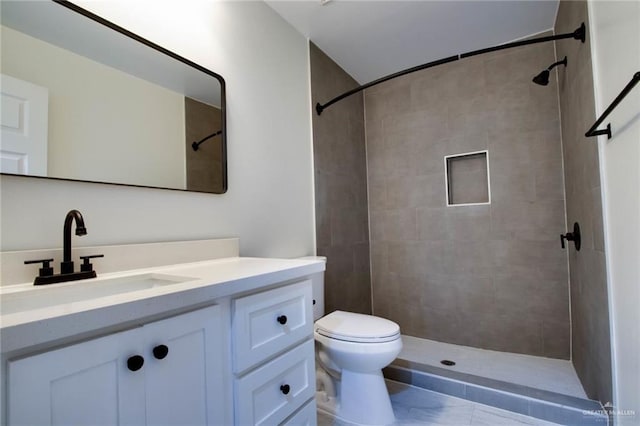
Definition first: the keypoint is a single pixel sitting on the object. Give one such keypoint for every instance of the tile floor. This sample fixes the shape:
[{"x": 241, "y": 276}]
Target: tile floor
[
  {"x": 415, "y": 406},
  {"x": 554, "y": 375}
]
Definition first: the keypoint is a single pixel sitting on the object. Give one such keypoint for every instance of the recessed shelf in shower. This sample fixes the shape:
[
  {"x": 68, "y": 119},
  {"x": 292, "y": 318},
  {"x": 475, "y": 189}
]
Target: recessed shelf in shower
[{"x": 467, "y": 178}]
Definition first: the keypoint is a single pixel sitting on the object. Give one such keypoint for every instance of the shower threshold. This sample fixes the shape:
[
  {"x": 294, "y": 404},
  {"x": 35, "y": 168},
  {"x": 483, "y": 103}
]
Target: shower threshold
[
  {"x": 554, "y": 375},
  {"x": 539, "y": 387}
]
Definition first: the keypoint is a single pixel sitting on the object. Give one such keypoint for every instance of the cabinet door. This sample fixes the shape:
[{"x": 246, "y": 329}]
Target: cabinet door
[
  {"x": 187, "y": 386},
  {"x": 86, "y": 383}
]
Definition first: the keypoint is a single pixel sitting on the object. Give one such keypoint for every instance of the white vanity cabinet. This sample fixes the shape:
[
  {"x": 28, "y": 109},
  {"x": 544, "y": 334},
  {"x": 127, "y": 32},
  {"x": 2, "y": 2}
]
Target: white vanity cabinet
[
  {"x": 229, "y": 343},
  {"x": 165, "y": 372},
  {"x": 274, "y": 356}
]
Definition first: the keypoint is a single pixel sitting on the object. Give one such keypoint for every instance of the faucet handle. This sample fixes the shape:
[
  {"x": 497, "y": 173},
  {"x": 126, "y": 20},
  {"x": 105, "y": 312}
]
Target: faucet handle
[
  {"x": 46, "y": 269},
  {"x": 86, "y": 265}
]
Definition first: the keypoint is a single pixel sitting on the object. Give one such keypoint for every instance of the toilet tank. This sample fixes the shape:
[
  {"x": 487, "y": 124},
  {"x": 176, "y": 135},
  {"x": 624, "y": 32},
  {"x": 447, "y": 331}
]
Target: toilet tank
[{"x": 317, "y": 282}]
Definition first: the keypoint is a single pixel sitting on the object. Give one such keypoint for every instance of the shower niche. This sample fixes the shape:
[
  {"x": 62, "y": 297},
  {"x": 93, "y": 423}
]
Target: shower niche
[{"x": 467, "y": 178}]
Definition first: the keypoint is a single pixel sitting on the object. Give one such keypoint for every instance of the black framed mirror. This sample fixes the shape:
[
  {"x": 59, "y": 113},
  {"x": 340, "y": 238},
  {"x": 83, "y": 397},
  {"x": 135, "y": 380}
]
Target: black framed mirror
[{"x": 85, "y": 99}]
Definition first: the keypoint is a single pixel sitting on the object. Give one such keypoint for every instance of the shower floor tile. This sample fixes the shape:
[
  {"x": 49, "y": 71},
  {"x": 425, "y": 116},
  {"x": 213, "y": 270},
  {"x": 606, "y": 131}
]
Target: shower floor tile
[
  {"x": 415, "y": 406},
  {"x": 549, "y": 374}
]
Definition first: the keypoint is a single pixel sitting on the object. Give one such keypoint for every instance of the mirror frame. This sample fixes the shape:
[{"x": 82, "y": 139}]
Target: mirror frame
[{"x": 98, "y": 19}]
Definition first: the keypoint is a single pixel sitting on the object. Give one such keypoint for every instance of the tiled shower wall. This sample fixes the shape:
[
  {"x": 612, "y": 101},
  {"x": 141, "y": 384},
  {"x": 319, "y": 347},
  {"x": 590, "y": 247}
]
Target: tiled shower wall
[
  {"x": 342, "y": 224},
  {"x": 589, "y": 302},
  {"x": 491, "y": 276}
]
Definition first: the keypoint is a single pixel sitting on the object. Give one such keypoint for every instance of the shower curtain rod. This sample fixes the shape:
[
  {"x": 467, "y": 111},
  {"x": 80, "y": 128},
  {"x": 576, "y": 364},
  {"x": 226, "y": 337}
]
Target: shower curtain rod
[
  {"x": 607, "y": 131},
  {"x": 578, "y": 34}
]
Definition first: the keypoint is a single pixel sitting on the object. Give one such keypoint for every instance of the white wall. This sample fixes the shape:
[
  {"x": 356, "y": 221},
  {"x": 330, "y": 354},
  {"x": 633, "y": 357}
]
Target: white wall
[
  {"x": 615, "y": 32},
  {"x": 269, "y": 203},
  {"x": 83, "y": 143}
]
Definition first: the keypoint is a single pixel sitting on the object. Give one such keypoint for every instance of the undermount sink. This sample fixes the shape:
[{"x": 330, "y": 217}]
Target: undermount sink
[{"x": 58, "y": 294}]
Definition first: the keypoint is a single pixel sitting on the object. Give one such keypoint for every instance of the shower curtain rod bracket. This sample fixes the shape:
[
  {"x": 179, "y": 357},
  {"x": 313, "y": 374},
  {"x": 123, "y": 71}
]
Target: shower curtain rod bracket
[
  {"x": 580, "y": 33},
  {"x": 606, "y": 131}
]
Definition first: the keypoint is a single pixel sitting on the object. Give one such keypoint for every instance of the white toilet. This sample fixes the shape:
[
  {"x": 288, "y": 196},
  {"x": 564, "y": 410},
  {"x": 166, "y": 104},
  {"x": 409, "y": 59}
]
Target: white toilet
[{"x": 351, "y": 351}]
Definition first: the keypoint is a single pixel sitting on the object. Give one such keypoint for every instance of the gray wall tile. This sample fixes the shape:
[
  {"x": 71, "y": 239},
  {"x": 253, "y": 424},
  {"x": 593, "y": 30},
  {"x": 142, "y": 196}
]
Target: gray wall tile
[
  {"x": 342, "y": 222},
  {"x": 589, "y": 307},
  {"x": 488, "y": 275}
]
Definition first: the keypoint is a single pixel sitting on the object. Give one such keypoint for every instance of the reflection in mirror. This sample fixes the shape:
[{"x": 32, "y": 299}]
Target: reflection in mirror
[
  {"x": 83, "y": 99},
  {"x": 204, "y": 168}
]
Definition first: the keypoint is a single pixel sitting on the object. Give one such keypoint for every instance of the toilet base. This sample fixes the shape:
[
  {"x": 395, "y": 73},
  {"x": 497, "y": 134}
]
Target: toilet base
[
  {"x": 328, "y": 405},
  {"x": 363, "y": 399}
]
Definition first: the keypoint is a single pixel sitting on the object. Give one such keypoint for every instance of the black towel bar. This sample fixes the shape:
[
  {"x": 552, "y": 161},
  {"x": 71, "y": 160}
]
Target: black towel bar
[{"x": 592, "y": 131}]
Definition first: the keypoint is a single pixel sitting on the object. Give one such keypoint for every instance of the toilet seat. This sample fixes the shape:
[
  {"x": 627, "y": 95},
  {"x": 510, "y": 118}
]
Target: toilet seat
[{"x": 360, "y": 328}]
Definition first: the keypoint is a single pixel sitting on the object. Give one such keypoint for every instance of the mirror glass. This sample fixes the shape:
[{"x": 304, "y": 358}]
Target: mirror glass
[{"x": 84, "y": 99}]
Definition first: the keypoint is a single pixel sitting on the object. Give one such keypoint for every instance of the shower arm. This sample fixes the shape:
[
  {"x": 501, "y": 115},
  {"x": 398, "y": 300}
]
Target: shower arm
[
  {"x": 196, "y": 145},
  {"x": 555, "y": 64},
  {"x": 578, "y": 34}
]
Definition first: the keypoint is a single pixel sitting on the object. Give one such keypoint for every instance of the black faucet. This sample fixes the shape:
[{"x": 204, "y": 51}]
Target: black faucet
[
  {"x": 66, "y": 267},
  {"x": 67, "y": 272}
]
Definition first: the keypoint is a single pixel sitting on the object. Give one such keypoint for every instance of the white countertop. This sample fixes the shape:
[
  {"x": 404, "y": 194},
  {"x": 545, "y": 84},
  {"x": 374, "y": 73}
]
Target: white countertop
[{"x": 213, "y": 279}]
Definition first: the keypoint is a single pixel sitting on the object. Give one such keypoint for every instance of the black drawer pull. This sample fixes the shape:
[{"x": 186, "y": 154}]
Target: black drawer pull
[
  {"x": 282, "y": 319},
  {"x": 285, "y": 389},
  {"x": 135, "y": 363},
  {"x": 160, "y": 351}
]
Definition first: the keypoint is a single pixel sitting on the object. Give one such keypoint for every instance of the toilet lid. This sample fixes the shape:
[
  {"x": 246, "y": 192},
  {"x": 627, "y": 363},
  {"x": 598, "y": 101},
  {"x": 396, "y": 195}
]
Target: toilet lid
[{"x": 357, "y": 327}]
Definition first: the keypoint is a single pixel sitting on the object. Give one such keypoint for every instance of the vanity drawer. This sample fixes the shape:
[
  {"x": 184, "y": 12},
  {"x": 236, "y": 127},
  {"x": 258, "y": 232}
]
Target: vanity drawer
[
  {"x": 277, "y": 389},
  {"x": 266, "y": 323},
  {"x": 306, "y": 416}
]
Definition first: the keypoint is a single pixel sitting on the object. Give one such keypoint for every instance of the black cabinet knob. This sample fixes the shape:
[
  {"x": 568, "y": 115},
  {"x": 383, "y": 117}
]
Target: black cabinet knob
[
  {"x": 135, "y": 363},
  {"x": 160, "y": 351},
  {"x": 285, "y": 389},
  {"x": 282, "y": 319}
]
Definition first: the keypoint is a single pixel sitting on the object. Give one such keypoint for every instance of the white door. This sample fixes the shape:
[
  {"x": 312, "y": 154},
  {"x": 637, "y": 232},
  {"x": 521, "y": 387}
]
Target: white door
[
  {"x": 88, "y": 383},
  {"x": 24, "y": 111}
]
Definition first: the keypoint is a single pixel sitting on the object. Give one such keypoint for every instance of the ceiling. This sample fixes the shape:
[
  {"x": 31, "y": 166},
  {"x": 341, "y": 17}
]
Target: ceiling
[{"x": 371, "y": 38}]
